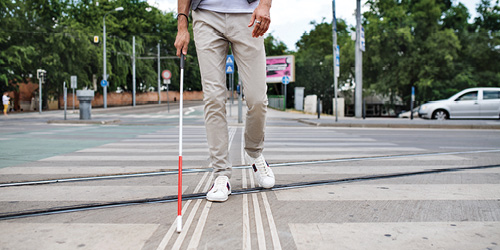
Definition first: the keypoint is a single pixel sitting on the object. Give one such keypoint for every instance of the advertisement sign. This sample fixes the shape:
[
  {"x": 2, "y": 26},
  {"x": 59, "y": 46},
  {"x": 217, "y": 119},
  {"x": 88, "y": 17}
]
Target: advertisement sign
[{"x": 279, "y": 66}]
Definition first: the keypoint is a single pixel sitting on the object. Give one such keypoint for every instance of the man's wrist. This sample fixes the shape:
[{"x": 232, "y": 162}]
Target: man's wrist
[{"x": 182, "y": 21}]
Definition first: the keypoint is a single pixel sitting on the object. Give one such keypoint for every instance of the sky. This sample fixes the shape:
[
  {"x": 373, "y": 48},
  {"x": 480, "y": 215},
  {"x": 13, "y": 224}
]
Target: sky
[{"x": 291, "y": 18}]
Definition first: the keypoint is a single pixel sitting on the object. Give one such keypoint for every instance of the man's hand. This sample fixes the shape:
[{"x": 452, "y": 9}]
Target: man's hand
[
  {"x": 182, "y": 41},
  {"x": 261, "y": 17}
]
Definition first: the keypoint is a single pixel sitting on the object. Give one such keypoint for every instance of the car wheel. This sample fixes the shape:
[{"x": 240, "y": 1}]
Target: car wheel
[{"x": 440, "y": 115}]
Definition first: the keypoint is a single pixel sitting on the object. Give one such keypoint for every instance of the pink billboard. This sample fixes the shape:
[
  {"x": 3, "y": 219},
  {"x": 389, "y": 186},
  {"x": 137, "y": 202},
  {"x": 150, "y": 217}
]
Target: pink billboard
[{"x": 279, "y": 66}]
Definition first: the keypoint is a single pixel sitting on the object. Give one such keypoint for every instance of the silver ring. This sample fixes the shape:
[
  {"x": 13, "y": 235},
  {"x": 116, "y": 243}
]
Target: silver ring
[{"x": 257, "y": 22}]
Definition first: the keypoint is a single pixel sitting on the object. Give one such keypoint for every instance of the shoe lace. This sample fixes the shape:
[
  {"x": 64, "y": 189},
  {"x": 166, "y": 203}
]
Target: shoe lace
[
  {"x": 220, "y": 183},
  {"x": 261, "y": 164}
]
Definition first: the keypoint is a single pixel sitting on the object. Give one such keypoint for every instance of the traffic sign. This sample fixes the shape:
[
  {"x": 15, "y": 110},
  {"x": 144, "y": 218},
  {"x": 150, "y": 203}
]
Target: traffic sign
[
  {"x": 229, "y": 60},
  {"x": 73, "y": 82},
  {"x": 104, "y": 83},
  {"x": 285, "y": 80},
  {"x": 337, "y": 61},
  {"x": 229, "y": 64},
  {"x": 362, "y": 40},
  {"x": 166, "y": 74}
]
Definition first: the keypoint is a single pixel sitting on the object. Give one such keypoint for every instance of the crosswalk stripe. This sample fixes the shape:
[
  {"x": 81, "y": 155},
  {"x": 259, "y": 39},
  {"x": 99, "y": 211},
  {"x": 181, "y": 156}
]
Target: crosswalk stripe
[
  {"x": 388, "y": 192},
  {"x": 397, "y": 235}
]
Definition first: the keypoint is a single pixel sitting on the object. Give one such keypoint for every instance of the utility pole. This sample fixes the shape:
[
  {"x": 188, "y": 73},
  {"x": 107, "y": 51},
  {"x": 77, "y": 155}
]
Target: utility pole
[
  {"x": 159, "y": 81},
  {"x": 335, "y": 59},
  {"x": 358, "y": 100},
  {"x": 133, "y": 71}
]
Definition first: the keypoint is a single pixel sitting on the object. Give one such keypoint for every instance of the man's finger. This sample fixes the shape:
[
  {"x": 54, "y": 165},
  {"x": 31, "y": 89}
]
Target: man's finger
[{"x": 252, "y": 20}]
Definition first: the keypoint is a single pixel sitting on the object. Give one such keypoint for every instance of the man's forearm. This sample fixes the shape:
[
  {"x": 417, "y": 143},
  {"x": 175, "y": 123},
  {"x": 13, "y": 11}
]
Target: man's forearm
[
  {"x": 183, "y": 7},
  {"x": 266, "y": 3}
]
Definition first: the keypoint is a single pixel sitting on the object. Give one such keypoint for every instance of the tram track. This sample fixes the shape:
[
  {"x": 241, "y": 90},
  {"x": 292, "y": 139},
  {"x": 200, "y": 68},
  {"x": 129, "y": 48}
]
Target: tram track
[
  {"x": 187, "y": 171},
  {"x": 173, "y": 198},
  {"x": 195, "y": 196}
]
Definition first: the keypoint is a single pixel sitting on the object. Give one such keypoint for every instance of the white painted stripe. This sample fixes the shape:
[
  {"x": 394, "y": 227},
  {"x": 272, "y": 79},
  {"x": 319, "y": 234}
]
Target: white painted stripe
[
  {"x": 152, "y": 145},
  {"x": 339, "y": 149},
  {"x": 332, "y": 156},
  {"x": 270, "y": 219},
  {"x": 172, "y": 229},
  {"x": 367, "y": 170},
  {"x": 77, "y": 170},
  {"x": 84, "y": 193},
  {"x": 142, "y": 158},
  {"x": 74, "y": 235},
  {"x": 198, "y": 231},
  {"x": 352, "y": 192},
  {"x": 142, "y": 150},
  {"x": 261, "y": 239},
  {"x": 243, "y": 162},
  {"x": 326, "y": 144},
  {"x": 317, "y": 139},
  {"x": 404, "y": 235},
  {"x": 189, "y": 221},
  {"x": 195, "y": 239},
  {"x": 247, "y": 241}
]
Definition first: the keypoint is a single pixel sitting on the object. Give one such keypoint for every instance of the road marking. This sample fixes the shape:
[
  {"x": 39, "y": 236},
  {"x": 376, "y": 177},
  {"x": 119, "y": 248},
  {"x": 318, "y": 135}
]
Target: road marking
[
  {"x": 270, "y": 219},
  {"x": 128, "y": 157},
  {"x": 247, "y": 241},
  {"x": 397, "y": 235},
  {"x": 173, "y": 227},
  {"x": 195, "y": 239},
  {"x": 74, "y": 235},
  {"x": 364, "y": 170},
  {"x": 187, "y": 224},
  {"x": 261, "y": 238},
  {"x": 392, "y": 192},
  {"x": 198, "y": 231},
  {"x": 84, "y": 193}
]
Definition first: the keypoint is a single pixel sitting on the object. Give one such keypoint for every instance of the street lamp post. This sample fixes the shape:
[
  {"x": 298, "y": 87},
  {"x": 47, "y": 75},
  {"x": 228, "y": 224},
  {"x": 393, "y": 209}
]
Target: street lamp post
[{"x": 104, "y": 76}]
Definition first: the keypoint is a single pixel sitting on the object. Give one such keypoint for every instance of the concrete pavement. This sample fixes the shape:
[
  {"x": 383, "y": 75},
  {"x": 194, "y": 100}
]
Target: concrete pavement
[{"x": 337, "y": 187}]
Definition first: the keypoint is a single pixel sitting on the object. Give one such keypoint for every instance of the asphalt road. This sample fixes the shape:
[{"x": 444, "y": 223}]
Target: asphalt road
[{"x": 336, "y": 187}]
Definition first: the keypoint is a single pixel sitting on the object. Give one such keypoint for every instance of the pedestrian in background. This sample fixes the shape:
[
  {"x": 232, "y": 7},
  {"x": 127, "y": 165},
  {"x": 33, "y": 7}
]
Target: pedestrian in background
[
  {"x": 6, "y": 102},
  {"x": 216, "y": 24}
]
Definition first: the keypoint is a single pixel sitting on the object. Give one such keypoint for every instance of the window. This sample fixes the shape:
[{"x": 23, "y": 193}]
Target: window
[
  {"x": 469, "y": 96},
  {"x": 491, "y": 94}
]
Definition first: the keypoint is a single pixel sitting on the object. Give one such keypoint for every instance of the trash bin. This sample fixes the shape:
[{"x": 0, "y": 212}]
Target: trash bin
[{"x": 85, "y": 98}]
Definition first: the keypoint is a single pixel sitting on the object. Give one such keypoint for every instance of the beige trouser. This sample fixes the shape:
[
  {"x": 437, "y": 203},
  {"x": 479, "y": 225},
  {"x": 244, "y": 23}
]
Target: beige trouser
[{"x": 212, "y": 34}]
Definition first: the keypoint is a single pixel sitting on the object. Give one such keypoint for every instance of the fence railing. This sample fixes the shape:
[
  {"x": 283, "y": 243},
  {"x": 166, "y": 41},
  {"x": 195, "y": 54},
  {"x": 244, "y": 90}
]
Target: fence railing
[{"x": 277, "y": 102}]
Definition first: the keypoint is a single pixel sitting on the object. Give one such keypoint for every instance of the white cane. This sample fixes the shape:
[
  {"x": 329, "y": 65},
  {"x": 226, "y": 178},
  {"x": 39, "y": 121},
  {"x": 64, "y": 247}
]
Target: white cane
[{"x": 179, "y": 184}]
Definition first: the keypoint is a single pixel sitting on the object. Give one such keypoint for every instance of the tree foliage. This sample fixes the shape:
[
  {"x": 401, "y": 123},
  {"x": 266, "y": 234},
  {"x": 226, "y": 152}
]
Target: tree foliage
[
  {"x": 428, "y": 44},
  {"x": 58, "y": 36}
]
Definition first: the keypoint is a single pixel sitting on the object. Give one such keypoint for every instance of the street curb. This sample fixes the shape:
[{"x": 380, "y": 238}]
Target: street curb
[
  {"x": 387, "y": 125},
  {"x": 103, "y": 122}
]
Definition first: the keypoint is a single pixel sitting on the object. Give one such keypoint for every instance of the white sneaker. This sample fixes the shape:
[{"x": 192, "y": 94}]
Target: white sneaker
[
  {"x": 220, "y": 190},
  {"x": 263, "y": 173}
]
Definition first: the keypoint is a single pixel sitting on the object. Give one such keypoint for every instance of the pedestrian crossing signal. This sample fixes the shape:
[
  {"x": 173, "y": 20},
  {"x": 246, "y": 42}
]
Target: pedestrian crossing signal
[{"x": 96, "y": 39}]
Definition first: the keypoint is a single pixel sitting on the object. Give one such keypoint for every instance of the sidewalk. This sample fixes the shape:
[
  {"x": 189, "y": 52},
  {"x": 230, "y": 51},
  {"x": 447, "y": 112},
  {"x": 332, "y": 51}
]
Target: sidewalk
[{"x": 99, "y": 116}]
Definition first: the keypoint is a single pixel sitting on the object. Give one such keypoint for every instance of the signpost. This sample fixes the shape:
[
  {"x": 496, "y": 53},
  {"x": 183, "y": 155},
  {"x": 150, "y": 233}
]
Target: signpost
[
  {"x": 230, "y": 71},
  {"x": 73, "y": 87},
  {"x": 166, "y": 74},
  {"x": 336, "y": 60},
  {"x": 285, "y": 80},
  {"x": 40, "y": 74}
]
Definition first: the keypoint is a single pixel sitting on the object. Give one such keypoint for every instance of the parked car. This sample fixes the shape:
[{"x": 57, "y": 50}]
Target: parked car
[
  {"x": 407, "y": 114},
  {"x": 468, "y": 103}
]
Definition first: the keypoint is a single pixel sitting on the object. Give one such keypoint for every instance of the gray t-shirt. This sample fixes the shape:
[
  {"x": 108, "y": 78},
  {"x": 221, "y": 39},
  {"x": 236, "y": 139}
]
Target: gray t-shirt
[{"x": 225, "y": 6}]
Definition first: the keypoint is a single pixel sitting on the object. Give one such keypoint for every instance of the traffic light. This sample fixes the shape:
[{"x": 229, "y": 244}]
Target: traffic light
[
  {"x": 41, "y": 74},
  {"x": 96, "y": 39}
]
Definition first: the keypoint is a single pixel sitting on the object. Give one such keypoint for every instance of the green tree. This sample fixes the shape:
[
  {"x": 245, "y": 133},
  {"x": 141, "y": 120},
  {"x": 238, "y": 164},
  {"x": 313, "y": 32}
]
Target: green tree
[{"x": 314, "y": 61}]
